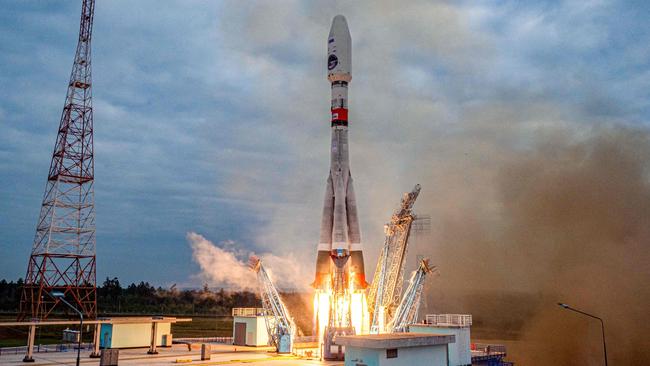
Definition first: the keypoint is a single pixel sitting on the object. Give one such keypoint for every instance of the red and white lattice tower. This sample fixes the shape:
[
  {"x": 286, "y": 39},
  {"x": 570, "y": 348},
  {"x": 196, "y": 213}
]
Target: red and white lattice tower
[{"x": 63, "y": 253}]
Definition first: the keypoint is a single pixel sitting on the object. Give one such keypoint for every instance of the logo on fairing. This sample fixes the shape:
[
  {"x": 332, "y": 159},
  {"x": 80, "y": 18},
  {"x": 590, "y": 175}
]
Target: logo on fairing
[{"x": 332, "y": 61}]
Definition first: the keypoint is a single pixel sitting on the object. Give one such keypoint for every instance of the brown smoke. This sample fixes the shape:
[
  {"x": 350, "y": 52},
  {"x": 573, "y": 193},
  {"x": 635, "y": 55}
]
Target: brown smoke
[{"x": 566, "y": 221}]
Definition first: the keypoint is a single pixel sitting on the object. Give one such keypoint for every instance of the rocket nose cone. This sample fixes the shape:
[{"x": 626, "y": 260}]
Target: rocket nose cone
[
  {"x": 339, "y": 51},
  {"x": 339, "y": 26}
]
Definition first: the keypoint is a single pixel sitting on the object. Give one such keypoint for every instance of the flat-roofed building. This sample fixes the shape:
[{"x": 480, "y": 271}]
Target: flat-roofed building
[
  {"x": 457, "y": 325},
  {"x": 132, "y": 332},
  {"x": 396, "y": 349},
  {"x": 249, "y": 327}
]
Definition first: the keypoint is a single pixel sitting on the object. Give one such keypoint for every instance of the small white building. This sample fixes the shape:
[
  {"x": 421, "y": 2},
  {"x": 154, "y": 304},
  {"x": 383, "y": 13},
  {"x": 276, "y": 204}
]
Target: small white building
[
  {"x": 249, "y": 327},
  {"x": 457, "y": 325},
  {"x": 408, "y": 349},
  {"x": 133, "y": 332}
]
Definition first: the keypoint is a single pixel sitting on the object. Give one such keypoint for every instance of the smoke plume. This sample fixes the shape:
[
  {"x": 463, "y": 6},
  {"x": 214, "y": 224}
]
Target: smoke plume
[
  {"x": 226, "y": 266},
  {"x": 567, "y": 220}
]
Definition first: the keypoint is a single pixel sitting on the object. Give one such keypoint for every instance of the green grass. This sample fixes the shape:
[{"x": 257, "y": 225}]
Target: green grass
[
  {"x": 204, "y": 327},
  {"x": 200, "y": 326}
]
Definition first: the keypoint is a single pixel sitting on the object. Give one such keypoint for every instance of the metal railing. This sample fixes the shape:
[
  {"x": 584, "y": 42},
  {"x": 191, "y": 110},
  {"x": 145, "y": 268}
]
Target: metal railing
[
  {"x": 489, "y": 352},
  {"x": 247, "y": 311},
  {"x": 43, "y": 348},
  {"x": 461, "y": 320},
  {"x": 221, "y": 340}
]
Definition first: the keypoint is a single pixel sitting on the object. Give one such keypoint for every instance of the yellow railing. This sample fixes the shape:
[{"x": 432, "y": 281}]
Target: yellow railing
[{"x": 247, "y": 311}]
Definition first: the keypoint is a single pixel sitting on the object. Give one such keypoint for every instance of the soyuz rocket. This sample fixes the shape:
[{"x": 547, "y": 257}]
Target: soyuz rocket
[{"x": 340, "y": 237}]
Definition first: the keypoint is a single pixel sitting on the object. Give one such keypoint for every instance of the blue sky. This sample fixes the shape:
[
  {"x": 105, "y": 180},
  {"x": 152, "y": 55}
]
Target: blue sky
[{"x": 212, "y": 117}]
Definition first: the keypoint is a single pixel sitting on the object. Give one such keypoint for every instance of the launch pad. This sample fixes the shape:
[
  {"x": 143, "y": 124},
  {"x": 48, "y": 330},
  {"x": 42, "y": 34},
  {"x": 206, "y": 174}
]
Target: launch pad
[{"x": 333, "y": 351}]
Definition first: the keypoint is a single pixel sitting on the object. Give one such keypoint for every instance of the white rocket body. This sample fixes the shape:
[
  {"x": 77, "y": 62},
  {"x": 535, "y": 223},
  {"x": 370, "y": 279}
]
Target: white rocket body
[{"x": 340, "y": 237}]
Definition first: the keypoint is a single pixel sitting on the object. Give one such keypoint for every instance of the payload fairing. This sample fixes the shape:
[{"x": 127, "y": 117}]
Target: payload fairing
[{"x": 340, "y": 237}]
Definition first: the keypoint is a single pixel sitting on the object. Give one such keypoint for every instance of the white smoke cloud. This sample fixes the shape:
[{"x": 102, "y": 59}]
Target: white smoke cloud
[
  {"x": 226, "y": 266},
  {"x": 219, "y": 266}
]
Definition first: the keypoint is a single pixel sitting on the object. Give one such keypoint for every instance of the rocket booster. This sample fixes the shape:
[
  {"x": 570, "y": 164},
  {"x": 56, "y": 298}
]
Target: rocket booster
[{"x": 340, "y": 237}]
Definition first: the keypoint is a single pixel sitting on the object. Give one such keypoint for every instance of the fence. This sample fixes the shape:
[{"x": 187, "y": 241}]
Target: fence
[
  {"x": 489, "y": 349},
  {"x": 461, "y": 320},
  {"x": 222, "y": 340},
  {"x": 247, "y": 311},
  {"x": 44, "y": 348}
]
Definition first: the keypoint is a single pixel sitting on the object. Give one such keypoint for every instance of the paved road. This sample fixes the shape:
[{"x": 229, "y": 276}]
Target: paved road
[{"x": 221, "y": 355}]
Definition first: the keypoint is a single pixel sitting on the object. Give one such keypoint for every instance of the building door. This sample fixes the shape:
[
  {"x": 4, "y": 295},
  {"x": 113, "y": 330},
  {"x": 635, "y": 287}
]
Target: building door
[
  {"x": 105, "y": 335},
  {"x": 240, "y": 334}
]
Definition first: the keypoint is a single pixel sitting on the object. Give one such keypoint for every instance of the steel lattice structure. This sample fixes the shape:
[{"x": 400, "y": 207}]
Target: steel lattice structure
[
  {"x": 63, "y": 253},
  {"x": 277, "y": 319},
  {"x": 386, "y": 288},
  {"x": 407, "y": 310}
]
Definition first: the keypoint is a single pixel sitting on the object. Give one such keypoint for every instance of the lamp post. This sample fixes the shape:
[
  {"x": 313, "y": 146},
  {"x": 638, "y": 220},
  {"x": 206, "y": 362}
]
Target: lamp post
[
  {"x": 602, "y": 325},
  {"x": 61, "y": 297}
]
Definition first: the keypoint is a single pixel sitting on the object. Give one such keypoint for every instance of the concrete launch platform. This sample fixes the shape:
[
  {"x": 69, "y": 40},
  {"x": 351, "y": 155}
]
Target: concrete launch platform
[{"x": 221, "y": 355}]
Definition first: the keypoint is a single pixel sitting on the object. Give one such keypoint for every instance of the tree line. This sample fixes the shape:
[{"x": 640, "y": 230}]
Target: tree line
[{"x": 143, "y": 298}]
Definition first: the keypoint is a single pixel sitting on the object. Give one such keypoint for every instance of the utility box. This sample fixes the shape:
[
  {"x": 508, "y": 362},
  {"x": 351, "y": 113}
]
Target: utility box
[
  {"x": 109, "y": 357},
  {"x": 205, "y": 352},
  {"x": 166, "y": 340},
  {"x": 71, "y": 336},
  {"x": 285, "y": 345},
  {"x": 249, "y": 327}
]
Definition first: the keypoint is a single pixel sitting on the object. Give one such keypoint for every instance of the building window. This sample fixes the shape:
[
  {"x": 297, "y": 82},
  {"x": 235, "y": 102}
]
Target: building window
[{"x": 391, "y": 353}]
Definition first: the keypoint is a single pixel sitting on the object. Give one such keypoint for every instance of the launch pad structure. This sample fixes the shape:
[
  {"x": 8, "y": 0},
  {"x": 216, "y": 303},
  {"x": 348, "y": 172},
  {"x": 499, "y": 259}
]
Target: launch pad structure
[
  {"x": 342, "y": 298},
  {"x": 386, "y": 288},
  {"x": 279, "y": 324}
]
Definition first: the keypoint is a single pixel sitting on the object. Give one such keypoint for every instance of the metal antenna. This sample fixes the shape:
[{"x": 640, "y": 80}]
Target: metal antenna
[{"x": 63, "y": 253}]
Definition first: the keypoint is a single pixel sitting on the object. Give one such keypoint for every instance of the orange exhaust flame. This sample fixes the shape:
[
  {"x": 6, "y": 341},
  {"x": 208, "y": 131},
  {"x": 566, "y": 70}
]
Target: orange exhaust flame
[{"x": 352, "y": 302}]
